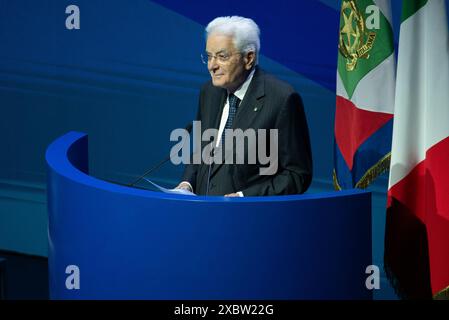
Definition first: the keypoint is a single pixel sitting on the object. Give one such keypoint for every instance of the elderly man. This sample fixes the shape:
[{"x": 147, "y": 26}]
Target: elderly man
[{"x": 242, "y": 96}]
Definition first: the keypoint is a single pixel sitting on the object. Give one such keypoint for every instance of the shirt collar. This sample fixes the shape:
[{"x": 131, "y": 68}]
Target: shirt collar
[{"x": 240, "y": 92}]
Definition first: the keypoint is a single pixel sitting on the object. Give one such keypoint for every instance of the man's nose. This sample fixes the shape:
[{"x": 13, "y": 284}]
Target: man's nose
[{"x": 213, "y": 65}]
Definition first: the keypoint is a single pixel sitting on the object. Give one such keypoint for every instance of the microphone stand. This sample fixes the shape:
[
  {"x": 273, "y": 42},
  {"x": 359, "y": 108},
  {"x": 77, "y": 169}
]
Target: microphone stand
[
  {"x": 188, "y": 128},
  {"x": 157, "y": 166}
]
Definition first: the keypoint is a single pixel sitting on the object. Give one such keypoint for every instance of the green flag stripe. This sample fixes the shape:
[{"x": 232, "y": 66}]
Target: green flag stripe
[
  {"x": 382, "y": 49},
  {"x": 409, "y": 7}
]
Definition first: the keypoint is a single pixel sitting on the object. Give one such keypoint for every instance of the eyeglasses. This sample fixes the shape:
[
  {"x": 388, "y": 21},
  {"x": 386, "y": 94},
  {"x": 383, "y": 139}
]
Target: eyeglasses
[{"x": 222, "y": 57}]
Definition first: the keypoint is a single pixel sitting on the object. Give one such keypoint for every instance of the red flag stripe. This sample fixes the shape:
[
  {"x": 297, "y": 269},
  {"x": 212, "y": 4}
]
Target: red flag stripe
[
  {"x": 424, "y": 192},
  {"x": 353, "y": 126}
]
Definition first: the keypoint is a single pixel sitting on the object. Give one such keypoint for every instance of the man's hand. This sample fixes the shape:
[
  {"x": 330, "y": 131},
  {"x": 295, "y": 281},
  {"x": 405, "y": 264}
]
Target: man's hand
[
  {"x": 232, "y": 195},
  {"x": 184, "y": 186}
]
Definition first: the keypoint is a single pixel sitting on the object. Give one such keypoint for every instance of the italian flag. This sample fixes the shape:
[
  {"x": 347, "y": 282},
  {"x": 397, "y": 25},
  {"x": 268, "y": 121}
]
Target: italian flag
[
  {"x": 417, "y": 230},
  {"x": 365, "y": 93}
]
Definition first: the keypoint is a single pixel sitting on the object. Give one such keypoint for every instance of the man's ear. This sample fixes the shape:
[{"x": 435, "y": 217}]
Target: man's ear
[{"x": 250, "y": 60}]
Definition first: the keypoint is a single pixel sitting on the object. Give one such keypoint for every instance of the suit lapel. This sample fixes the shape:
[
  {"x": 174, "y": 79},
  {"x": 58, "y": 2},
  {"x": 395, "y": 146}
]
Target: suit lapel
[
  {"x": 252, "y": 102},
  {"x": 216, "y": 106},
  {"x": 218, "y": 103}
]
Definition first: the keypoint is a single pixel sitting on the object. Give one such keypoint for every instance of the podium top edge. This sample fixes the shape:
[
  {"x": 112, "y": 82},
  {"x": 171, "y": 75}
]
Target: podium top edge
[{"x": 58, "y": 163}]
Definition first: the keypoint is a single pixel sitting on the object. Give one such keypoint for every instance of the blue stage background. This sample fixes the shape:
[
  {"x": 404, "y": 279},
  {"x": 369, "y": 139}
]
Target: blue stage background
[{"x": 128, "y": 77}]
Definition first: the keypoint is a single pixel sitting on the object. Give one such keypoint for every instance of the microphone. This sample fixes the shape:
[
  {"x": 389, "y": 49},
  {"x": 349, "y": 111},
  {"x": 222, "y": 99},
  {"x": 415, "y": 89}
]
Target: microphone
[{"x": 157, "y": 166}]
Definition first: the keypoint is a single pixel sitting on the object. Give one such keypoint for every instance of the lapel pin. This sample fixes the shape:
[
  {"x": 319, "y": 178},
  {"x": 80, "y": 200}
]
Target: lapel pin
[{"x": 255, "y": 109}]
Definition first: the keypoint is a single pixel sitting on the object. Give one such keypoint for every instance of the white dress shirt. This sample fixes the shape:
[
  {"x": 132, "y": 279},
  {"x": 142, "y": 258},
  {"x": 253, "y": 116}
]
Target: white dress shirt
[{"x": 239, "y": 93}]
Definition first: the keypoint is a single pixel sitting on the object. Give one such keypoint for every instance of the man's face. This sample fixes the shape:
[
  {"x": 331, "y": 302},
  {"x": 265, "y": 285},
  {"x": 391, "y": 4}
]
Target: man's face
[{"x": 232, "y": 72}]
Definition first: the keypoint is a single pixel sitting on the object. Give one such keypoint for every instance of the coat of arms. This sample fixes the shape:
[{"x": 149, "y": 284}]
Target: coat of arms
[{"x": 355, "y": 40}]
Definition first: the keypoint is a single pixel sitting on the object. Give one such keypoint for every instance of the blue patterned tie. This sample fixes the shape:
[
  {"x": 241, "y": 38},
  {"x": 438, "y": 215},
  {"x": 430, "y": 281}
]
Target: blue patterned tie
[{"x": 233, "y": 104}]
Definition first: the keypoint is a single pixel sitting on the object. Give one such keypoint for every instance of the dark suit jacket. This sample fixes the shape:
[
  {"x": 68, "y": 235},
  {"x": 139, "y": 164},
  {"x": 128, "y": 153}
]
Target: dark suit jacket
[{"x": 268, "y": 104}]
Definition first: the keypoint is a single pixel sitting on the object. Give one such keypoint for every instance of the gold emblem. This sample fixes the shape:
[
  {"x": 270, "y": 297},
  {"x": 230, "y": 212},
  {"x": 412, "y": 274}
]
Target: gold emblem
[{"x": 355, "y": 41}]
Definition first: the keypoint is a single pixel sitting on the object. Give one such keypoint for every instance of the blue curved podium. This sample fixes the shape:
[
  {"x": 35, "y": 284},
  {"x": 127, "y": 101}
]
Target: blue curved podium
[{"x": 130, "y": 243}]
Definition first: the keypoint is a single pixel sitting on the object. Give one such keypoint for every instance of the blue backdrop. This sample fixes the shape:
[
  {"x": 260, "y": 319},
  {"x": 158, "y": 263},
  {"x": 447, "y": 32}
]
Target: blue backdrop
[{"x": 128, "y": 77}]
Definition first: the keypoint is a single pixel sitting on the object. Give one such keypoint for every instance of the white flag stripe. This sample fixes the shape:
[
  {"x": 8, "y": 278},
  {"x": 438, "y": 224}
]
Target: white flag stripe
[
  {"x": 375, "y": 92},
  {"x": 422, "y": 89},
  {"x": 437, "y": 78},
  {"x": 341, "y": 90}
]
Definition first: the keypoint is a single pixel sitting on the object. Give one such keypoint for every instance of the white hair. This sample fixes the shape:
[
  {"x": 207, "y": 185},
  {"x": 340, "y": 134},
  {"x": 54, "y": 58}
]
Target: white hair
[{"x": 244, "y": 32}]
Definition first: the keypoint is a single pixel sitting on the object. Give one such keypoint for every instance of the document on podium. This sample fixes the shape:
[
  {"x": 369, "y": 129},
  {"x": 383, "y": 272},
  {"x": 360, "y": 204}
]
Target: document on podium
[{"x": 172, "y": 191}]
